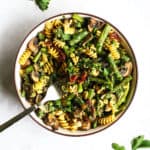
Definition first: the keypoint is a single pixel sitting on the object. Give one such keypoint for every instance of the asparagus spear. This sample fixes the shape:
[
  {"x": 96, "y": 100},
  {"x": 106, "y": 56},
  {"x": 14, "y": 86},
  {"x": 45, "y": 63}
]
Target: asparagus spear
[
  {"x": 78, "y": 37},
  {"x": 115, "y": 68},
  {"x": 125, "y": 81},
  {"x": 103, "y": 37}
]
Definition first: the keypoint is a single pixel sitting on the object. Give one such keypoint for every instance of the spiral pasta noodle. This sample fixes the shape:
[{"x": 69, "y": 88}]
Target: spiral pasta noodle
[
  {"x": 59, "y": 43},
  {"x": 106, "y": 120},
  {"x": 74, "y": 58},
  {"x": 90, "y": 53},
  {"x": 24, "y": 57},
  {"x": 62, "y": 121},
  {"x": 38, "y": 86},
  {"x": 53, "y": 52},
  {"x": 113, "y": 49},
  {"x": 48, "y": 68},
  {"x": 67, "y": 27}
]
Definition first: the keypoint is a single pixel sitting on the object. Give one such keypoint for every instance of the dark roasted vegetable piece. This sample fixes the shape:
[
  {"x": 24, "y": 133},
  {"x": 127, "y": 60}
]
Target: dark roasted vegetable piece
[
  {"x": 127, "y": 69},
  {"x": 87, "y": 39},
  {"x": 33, "y": 45},
  {"x": 35, "y": 76}
]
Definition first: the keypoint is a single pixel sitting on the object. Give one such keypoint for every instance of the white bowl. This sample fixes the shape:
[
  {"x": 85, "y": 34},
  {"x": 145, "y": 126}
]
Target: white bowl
[{"x": 26, "y": 104}]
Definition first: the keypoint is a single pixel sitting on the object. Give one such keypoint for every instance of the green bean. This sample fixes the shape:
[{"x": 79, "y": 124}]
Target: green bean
[
  {"x": 97, "y": 80},
  {"x": 91, "y": 93},
  {"x": 66, "y": 37},
  {"x": 70, "y": 97},
  {"x": 103, "y": 37},
  {"x": 36, "y": 58},
  {"x": 78, "y": 18},
  {"x": 43, "y": 49},
  {"x": 78, "y": 37},
  {"x": 94, "y": 125},
  {"x": 115, "y": 68},
  {"x": 29, "y": 69},
  {"x": 41, "y": 36},
  {"x": 80, "y": 88}
]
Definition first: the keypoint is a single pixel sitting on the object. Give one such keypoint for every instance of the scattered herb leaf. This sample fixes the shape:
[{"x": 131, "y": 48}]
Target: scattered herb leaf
[
  {"x": 42, "y": 4},
  {"x": 136, "y": 143}
]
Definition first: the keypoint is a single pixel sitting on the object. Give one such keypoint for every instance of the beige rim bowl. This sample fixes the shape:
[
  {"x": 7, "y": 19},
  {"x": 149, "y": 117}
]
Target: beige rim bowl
[{"x": 25, "y": 104}]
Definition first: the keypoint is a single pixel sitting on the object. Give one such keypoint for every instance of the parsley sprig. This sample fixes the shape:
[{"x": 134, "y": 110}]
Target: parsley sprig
[
  {"x": 136, "y": 143},
  {"x": 42, "y": 4}
]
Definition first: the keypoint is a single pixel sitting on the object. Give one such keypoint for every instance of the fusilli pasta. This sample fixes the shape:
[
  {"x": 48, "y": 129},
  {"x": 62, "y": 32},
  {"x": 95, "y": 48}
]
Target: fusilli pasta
[{"x": 24, "y": 57}]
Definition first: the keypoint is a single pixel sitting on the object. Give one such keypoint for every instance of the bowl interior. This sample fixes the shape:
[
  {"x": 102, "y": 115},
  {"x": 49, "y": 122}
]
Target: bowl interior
[{"x": 26, "y": 104}]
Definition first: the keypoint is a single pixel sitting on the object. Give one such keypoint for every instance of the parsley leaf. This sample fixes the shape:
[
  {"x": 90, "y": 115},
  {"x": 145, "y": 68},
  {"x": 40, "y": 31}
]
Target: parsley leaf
[
  {"x": 116, "y": 146},
  {"x": 136, "y": 142},
  {"x": 42, "y": 4}
]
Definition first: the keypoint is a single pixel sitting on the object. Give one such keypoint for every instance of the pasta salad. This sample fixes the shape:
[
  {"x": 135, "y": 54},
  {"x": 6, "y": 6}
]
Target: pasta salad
[{"x": 85, "y": 60}]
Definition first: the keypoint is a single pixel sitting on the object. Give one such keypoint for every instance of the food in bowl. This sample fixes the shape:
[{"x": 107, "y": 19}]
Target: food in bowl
[{"x": 84, "y": 58}]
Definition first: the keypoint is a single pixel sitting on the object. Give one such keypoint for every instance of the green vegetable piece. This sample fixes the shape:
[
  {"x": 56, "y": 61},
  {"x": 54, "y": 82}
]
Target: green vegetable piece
[
  {"x": 78, "y": 37},
  {"x": 40, "y": 113},
  {"x": 43, "y": 49},
  {"x": 115, "y": 68},
  {"x": 66, "y": 50},
  {"x": 58, "y": 103},
  {"x": 122, "y": 99},
  {"x": 80, "y": 88},
  {"x": 41, "y": 36},
  {"x": 97, "y": 80},
  {"x": 58, "y": 32},
  {"x": 125, "y": 58},
  {"x": 91, "y": 93},
  {"x": 136, "y": 142},
  {"x": 95, "y": 124},
  {"x": 103, "y": 37},
  {"x": 37, "y": 57},
  {"x": 70, "y": 97},
  {"x": 78, "y": 18},
  {"x": 145, "y": 144},
  {"x": 42, "y": 4},
  {"x": 116, "y": 146},
  {"x": 125, "y": 81},
  {"x": 29, "y": 69},
  {"x": 66, "y": 37},
  {"x": 23, "y": 93}
]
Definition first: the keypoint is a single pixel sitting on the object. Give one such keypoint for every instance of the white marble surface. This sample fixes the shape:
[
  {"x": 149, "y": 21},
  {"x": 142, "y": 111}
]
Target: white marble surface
[{"x": 18, "y": 17}]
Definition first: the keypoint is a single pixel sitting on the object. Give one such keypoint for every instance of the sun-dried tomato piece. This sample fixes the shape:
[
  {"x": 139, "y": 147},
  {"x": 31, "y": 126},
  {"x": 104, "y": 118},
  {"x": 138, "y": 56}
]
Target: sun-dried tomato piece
[
  {"x": 114, "y": 35},
  {"x": 73, "y": 78},
  {"x": 83, "y": 77}
]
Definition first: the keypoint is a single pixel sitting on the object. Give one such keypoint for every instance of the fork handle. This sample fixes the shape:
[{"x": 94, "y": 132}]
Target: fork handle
[{"x": 16, "y": 118}]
